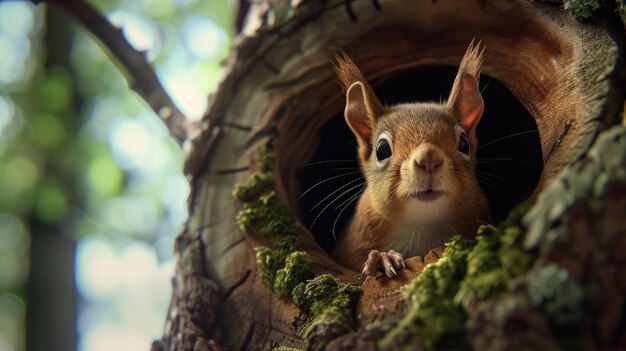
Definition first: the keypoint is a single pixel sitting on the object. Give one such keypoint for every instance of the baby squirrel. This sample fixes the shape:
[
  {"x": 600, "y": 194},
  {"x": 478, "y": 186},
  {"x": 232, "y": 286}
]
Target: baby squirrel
[{"x": 419, "y": 162}]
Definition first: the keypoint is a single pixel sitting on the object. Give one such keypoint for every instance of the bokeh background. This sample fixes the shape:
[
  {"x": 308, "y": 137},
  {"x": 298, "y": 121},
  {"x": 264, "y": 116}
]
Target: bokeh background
[{"x": 91, "y": 185}]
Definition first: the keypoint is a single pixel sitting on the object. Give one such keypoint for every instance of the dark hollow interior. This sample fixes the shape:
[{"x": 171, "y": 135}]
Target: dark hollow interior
[{"x": 509, "y": 153}]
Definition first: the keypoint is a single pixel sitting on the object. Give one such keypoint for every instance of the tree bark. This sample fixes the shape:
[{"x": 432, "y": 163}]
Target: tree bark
[{"x": 280, "y": 90}]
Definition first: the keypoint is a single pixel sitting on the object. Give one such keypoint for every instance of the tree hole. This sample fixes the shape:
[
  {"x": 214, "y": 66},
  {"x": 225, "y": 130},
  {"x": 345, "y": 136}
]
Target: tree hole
[{"x": 509, "y": 153}]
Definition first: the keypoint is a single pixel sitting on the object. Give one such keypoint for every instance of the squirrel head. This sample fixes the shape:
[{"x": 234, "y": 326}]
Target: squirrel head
[{"x": 419, "y": 159}]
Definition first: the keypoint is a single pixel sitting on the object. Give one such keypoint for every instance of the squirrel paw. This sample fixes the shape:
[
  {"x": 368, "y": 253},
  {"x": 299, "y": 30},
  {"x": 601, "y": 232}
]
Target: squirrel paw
[{"x": 390, "y": 262}]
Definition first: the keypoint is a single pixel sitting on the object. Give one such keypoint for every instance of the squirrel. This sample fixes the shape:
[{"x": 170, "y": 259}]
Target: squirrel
[{"x": 419, "y": 163}]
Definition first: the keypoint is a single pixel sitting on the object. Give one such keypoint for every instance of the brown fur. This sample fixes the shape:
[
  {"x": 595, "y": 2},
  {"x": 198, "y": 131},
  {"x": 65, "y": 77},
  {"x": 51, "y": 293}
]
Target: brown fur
[{"x": 388, "y": 216}]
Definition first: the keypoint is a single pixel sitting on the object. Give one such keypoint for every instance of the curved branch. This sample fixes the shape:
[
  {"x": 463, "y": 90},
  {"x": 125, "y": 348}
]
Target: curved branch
[{"x": 133, "y": 65}]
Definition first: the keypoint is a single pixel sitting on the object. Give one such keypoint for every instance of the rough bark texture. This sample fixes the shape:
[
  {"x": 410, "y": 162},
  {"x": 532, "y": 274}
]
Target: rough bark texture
[
  {"x": 279, "y": 90},
  {"x": 579, "y": 224}
]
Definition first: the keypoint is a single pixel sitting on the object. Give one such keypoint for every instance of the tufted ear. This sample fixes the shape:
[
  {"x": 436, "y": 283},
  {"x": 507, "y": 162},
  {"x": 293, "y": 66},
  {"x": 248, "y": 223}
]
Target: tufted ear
[
  {"x": 465, "y": 99},
  {"x": 469, "y": 105},
  {"x": 362, "y": 106}
]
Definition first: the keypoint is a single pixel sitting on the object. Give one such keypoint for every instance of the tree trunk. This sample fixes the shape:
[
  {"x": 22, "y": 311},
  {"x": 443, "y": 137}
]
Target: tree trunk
[
  {"x": 278, "y": 93},
  {"x": 251, "y": 275},
  {"x": 51, "y": 291}
]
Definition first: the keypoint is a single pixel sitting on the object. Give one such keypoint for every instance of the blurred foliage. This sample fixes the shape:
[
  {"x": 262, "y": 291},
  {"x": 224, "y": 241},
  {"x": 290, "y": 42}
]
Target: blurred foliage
[
  {"x": 81, "y": 153},
  {"x": 24, "y": 186}
]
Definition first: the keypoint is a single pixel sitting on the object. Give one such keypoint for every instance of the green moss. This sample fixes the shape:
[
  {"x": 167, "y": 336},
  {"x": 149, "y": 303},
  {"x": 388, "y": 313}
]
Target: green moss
[
  {"x": 513, "y": 257},
  {"x": 288, "y": 272},
  {"x": 327, "y": 292},
  {"x": 253, "y": 187},
  {"x": 297, "y": 269},
  {"x": 483, "y": 286},
  {"x": 269, "y": 261},
  {"x": 280, "y": 227},
  {"x": 327, "y": 298},
  {"x": 280, "y": 266},
  {"x": 268, "y": 215},
  {"x": 332, "y": 318},
  {"x": 557, "y": 294},
  {"x": 433, "y": 314},
  {"x": 582, "y": 8},
  {"x": 286, "y": 348},
  {"x": 485, "y": 276},
  {"x": 498, "y": 257},
  {"x": 468, "y": 271},
  {"x": 286, "y": 244},
  {"x": 484, "y": 257},
  {"x": 266, "y": 157},
  {"x": 299, "y": 298},
  {"x": 439, "y": 278},
  {"x": 274, "y": 204}
]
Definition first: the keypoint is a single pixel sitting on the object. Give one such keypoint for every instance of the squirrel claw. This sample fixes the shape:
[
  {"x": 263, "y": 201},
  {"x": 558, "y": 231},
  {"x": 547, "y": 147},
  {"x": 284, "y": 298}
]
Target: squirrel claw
[
  {"x": 390, "y": 261},
  {"x": 396, "y": 258},
  {"x": 372, "y": 263},
  {"x": 388, "y": 265}
]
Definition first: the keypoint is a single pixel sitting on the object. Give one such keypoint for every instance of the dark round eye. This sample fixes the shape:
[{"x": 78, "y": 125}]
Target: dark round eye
[
  {"x": 383, "y": 150},
  {"x": 464, "y": 145}
]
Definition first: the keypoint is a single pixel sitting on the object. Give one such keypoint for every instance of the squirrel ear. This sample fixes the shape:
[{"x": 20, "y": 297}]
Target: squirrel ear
[
  {"x": 362, "y": 105},
  {"x": 465, "y": 99},
  {"x": 356, "y": 112},
  {"x": 469, "y": 104},
  {"x": 362, "y": 110}
]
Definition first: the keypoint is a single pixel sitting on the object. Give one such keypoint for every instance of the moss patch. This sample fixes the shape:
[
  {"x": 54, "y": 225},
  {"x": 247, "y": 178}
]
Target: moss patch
[
  {"x": 468, "y": 271},
  {"x": 433, "y": 313},
  {"x": 287, "y": 271},
  {"x": 497, "y": 258},
  {"x": 286, "y": 348},
  {"x": 269, "y": 261},
  {"x": 253, "y": 186},
  {"x": 264, "y": 214},
  {"x": 297, "y": 269},
  {"x": 327, "y": 298},
  {"x": 266, "y": 157},
  {"x": 268, "y": 215}
]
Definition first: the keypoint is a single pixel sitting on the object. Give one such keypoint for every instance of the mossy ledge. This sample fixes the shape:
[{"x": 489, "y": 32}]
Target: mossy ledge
[
  {"x": 469, "y": 271},
  {"x": 288, "y": 272}
]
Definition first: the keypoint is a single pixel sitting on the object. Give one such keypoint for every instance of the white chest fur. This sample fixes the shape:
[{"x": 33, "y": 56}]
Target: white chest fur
[{"x": 415, "y": 238}]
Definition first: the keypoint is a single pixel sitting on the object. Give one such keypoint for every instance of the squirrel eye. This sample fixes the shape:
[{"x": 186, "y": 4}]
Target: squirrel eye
[
  {"x": 464, "y": 145},
  {"x": 383, "y": 150}
]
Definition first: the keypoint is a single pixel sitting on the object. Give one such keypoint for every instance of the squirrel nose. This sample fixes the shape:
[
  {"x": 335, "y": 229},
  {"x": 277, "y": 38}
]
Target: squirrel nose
[{"x": 429, "y": 166}]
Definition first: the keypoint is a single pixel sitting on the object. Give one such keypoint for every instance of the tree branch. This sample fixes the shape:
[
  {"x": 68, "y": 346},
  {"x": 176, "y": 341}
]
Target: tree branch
[{"x": 133, "y": 64}]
